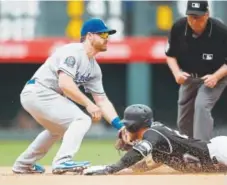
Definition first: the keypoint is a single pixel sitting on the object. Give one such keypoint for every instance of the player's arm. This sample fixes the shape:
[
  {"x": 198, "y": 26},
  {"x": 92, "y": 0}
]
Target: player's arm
[
  {"x": 70, "y": 89},
  {"x": 108, "y": 110},
  {"x": 145, "y": 165},
  {"x": 66, "y": 73},
  {"x": 133, "y": 156},
  {"x": 222, "y": 71},
  {"x": 171, "y": 52},
  {"x": 173, "y": 65}
]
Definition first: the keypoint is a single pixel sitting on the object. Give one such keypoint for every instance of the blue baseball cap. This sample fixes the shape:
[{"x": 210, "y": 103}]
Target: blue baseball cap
[{"x": 95, "y": 25}]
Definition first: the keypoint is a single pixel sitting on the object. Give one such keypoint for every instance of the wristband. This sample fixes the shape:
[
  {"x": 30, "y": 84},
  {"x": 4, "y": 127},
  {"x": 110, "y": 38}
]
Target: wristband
[{"x": 116, "y": 123}]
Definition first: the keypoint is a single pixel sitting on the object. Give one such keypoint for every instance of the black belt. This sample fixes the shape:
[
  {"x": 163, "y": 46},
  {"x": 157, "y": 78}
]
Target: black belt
[
  {"x": 195, "y": 75},
  {"x": 32, "y": 81}
]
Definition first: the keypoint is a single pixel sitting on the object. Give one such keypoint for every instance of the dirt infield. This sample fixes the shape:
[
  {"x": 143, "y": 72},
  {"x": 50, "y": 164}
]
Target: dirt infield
[{"x": 161, "y": 176}]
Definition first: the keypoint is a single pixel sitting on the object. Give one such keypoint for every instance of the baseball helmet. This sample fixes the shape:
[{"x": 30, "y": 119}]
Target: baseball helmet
[{"x": 137, "y": 116}]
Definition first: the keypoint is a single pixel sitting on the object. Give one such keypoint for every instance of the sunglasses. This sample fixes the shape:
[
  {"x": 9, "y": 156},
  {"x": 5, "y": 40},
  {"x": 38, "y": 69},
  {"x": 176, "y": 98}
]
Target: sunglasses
[{"x": 103, "y": 35}]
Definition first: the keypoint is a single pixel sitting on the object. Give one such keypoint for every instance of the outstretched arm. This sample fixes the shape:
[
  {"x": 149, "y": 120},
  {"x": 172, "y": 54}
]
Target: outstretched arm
[
  {"x": 145, "y": 165},
  {"x": 108, "y": 110},
  {"x": 133, "y": 156}
]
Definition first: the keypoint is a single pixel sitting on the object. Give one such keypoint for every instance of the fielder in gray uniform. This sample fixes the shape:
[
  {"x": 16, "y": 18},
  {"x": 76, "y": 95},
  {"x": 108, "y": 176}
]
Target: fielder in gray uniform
[{"x": 50, "y": 96}]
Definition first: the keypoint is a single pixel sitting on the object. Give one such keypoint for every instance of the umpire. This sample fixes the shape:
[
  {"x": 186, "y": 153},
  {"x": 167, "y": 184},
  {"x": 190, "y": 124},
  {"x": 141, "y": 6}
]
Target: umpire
[{"x": 197, "y": 56}]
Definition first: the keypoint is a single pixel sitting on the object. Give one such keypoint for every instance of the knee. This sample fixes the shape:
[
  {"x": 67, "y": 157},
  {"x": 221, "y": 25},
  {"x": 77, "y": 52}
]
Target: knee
[
  {"x": 180, "y": 124},
  {"x": 58, "y": 133},
  {"x": 183, "y": 127},
  {"x": 202, "y": 106},
  {"x": 86, "y": 121},
  {"x": 181, "y": 101}
]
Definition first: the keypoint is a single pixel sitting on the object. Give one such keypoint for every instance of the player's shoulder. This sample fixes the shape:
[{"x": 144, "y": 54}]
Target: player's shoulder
[
  {"x": 163, "y": 130},
  {"x": 219, "y": 26},
  {"x": 179, "y": 24},
  {"x": 156, "y": 134},
  {"x": 157, "y": 127}
]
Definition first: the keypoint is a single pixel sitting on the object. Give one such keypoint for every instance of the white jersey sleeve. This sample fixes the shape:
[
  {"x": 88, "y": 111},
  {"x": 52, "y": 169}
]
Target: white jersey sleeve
[{"x": 68, "y": 64}]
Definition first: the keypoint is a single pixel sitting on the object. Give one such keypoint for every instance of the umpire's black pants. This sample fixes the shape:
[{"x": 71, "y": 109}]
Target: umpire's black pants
[{"x": 195, "y": 104}]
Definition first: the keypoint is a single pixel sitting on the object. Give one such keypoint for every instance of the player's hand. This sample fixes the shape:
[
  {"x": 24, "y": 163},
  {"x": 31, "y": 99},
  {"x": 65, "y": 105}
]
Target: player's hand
[
  {"x": 210, "y": 80},
  {"x": 181, "y": 77},
  {"x": 94, "y": 111},
  {"x": 97, "y": 170}
]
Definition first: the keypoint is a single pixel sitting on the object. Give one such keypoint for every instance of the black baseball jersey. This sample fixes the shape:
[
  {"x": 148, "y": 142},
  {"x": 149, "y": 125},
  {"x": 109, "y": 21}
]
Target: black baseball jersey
[
  {"x": 178, "y": 151},
  {"x": 198, "y": 54}
]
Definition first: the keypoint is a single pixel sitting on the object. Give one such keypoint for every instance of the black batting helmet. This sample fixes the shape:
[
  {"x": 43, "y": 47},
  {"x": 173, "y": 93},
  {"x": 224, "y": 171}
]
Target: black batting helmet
[{"x": 137, "y": 116}]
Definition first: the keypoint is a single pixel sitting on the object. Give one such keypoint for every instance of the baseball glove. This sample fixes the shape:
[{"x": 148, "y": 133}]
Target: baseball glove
[
  {"x": 123, "y": 142},
  {"x": 122, "y": 146}
]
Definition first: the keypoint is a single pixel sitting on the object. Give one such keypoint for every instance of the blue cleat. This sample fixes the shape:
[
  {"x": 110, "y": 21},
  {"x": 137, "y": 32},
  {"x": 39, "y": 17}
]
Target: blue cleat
[
  {"x": 29, "y": 170},
  {"x": 70, "y": 166}
]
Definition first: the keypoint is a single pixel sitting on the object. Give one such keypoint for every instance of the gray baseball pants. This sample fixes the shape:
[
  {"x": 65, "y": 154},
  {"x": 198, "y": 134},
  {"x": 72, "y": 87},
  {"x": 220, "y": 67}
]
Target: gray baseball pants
[
  {"x": 61, "y": 119},
  {"x": 195, "y": 104}
]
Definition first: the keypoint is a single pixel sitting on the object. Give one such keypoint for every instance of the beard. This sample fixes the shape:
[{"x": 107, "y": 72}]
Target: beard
[{"x": 100, "y": 46}]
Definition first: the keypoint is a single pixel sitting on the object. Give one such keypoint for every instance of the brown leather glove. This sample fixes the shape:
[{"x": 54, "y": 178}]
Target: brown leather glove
[
  {"x": 122, "y": 146},
  {"x": 123, "y": 142}
]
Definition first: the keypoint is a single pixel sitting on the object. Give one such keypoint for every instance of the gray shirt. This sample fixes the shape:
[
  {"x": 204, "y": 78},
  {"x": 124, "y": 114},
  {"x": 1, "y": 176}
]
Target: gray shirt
[{"x": 73, "y": 60}]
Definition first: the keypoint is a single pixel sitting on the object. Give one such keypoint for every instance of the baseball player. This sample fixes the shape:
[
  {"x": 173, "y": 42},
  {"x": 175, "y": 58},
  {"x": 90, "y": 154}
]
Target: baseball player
[
  {"x": 52, "y": 94},
  {"x": 166, "y": 146}
]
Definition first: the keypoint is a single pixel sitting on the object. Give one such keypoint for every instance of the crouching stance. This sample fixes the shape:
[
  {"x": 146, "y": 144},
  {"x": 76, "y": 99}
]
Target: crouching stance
[{"x": 165, "y": 145}]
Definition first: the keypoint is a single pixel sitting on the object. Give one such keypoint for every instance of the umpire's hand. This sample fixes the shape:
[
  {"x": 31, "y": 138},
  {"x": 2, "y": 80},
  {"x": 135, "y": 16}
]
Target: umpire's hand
[
  {"x": 181, "y": 77},
  {"x": 210, "y": 80}
]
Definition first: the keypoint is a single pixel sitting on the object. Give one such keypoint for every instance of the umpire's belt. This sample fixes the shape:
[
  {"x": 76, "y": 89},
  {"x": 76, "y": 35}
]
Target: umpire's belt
[
  {"x": 195, "y": 75},
  {"x": 32, "y": 81}
]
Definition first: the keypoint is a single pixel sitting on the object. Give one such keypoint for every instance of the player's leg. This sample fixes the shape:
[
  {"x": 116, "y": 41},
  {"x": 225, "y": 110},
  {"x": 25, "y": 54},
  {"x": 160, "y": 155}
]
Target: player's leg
[
  {"x": 218, "y": 150},
  {"x": 205, "y": 101},
  {"x": 25, "y": 163},
  {"x": 186, "y": 100},
  {"x": 56, "y": 113},
  {"x": 71, "y": 143}
]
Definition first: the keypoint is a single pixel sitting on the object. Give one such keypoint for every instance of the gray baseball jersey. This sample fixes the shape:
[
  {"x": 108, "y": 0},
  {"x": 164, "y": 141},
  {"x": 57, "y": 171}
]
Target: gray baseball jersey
[{"x": 73, "y": 60}]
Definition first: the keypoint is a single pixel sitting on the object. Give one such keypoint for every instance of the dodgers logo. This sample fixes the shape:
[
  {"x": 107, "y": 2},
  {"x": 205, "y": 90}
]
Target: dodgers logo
[{"x": 80, "y": 79}]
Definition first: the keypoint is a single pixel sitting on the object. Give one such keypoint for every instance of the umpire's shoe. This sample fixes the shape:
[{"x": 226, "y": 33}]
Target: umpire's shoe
[
  {"x": 28, "y": 170},
  {"x": 70, "y": 166}
]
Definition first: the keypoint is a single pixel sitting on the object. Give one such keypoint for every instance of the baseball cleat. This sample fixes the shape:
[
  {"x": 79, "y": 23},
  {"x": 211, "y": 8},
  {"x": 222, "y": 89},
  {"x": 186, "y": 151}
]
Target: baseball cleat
[
  {"x": 29, "y": 170},
  {"x": 70, "y": 166}
]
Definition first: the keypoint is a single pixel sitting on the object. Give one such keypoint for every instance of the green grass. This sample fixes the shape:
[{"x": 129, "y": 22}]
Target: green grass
[{"x": 95, "y": 151}]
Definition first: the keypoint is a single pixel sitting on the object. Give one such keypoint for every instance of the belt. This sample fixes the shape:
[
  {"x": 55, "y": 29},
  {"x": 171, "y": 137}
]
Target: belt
[
  {"x": 32, "y": 81},
  {"x": 195, "y": 75}
]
